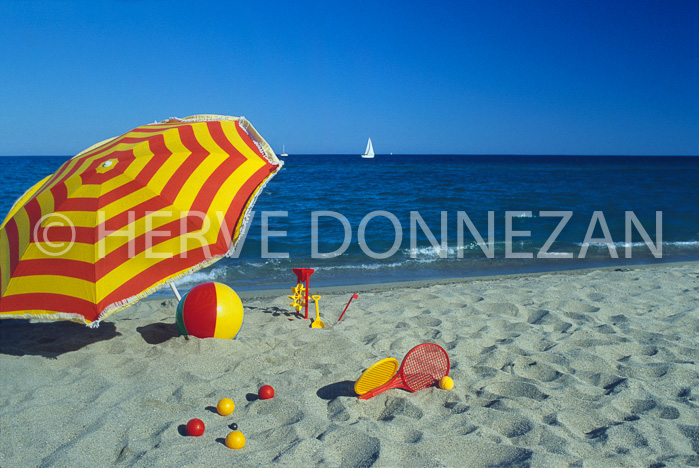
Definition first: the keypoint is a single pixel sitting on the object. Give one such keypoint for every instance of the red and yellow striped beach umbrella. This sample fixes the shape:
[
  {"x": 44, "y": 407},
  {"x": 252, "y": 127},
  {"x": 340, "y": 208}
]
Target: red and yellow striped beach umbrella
[{"x": 129, "y": 215}]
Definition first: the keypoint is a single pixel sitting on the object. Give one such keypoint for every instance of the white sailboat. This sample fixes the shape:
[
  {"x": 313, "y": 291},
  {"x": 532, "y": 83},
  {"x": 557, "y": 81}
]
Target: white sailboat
[
  {"x": 283, "y": 152},
  {"x": 369, "y": 151}
]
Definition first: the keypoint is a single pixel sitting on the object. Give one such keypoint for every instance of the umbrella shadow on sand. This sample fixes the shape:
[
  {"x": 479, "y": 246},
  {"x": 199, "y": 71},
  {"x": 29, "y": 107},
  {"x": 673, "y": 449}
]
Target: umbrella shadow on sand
[
  {"x": 157, "y": 333},
  {"x": 50, "y": 339}
]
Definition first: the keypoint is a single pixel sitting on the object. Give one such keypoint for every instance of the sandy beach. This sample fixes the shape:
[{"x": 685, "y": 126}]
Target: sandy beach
[{"x": 579, "y": 368}]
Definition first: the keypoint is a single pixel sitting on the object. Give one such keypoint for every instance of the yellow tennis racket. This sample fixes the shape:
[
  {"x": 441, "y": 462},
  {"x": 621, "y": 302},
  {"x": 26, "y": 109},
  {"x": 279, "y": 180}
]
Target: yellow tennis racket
[{"x": 376, "y": 375}]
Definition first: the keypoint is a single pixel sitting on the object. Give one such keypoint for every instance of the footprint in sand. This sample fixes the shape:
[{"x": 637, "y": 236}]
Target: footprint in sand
[
  {"x": 400, "y": 406},
  {"x": 354, "y": 448},
  {"x": 369, "y": 339},
  {"x": 511, "y": 425},
  {"x": 431, "y": 335},
  {"x": 412, "y": 436},
  {"x": 580, "y": 308},
  {"x": 653, "y": 370},
  {"x": 634, "y": 405},
  {"x": 423, "y": 321},
  {"x": 456, "y": 407},
  {"x": 669, "y": 412},
  {"x": 421, "y": 296},
  {"x": 285, "y": 412},
  {"x": 337, "y": 411},
  {"x": 596, "y": 297},
  {"x": 516, "y": 389},
  {"x": 498, "y": 308},
  {"x": 540, "y": 372}
]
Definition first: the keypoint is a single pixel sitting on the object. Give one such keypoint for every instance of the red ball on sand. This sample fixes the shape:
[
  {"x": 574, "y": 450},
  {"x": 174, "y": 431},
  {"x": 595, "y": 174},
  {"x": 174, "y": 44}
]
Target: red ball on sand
[
  {"x": 195, "y": 427},
  {"x": 266, "y": 392}
]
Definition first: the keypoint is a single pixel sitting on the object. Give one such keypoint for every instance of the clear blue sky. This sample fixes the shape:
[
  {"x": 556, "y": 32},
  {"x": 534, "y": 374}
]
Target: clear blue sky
[{"x": 466, "y": 77}]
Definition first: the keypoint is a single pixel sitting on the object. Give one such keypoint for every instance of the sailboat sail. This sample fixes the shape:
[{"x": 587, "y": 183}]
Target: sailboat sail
[{"x": 369, "y": 152}]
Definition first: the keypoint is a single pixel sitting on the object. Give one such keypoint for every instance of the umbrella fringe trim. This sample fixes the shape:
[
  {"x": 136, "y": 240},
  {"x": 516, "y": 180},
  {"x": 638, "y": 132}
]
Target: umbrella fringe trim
[
  {"x": 260, "y": 142},
  {"x": 244, "y": 123},
  {"x": 49, "y": 317}
]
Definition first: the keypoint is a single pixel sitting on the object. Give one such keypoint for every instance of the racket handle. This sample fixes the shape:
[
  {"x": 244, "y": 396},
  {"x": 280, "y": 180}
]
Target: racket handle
[{"x": 387, "y": 386}]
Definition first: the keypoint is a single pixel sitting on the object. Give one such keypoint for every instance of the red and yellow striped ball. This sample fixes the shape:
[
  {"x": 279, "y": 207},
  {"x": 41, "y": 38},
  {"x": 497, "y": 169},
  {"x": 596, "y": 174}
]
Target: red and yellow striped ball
[{"x": 210, "y": 310}]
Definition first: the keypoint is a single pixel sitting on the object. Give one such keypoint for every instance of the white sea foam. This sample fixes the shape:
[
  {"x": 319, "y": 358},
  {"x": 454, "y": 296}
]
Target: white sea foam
[
  {"x": 203, "y": 276},
  {"x": 560, "y": 254},
  {"x": 437, "y": 252},
  {"x": 684, "y": 243},
  {"x": 362, "y": 266}
]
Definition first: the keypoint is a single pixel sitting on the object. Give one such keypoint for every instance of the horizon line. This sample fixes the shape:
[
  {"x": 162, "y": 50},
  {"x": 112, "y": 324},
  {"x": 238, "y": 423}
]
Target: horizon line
[{"x": 415, "y": 154}]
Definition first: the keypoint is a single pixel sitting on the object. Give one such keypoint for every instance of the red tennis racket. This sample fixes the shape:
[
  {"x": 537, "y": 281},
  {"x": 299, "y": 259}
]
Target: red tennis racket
[{"x": 424, "y": 365}]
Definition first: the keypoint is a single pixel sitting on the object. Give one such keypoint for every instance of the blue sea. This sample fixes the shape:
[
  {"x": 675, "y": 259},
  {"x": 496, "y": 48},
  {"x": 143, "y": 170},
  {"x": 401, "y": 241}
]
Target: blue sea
[{"x": 396, "y": 206}]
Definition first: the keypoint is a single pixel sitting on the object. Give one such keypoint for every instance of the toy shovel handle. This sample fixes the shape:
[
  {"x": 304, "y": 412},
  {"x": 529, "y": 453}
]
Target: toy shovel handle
[
  {"x": 395, "y": 382},
  {"x": 354, "y": 296}
]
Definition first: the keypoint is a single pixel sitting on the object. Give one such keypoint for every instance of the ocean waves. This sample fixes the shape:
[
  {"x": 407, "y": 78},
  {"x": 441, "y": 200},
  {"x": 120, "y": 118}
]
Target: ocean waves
[{"x": 508, "y": 200}]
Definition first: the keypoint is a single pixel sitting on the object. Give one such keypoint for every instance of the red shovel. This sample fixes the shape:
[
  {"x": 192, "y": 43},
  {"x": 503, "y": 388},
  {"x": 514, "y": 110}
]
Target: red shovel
[{"x": 354, "y": 296}]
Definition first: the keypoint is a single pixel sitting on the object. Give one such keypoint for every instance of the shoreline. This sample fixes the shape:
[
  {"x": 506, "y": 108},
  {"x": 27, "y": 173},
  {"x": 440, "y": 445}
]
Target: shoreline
[{"x": 275, "y": 292}]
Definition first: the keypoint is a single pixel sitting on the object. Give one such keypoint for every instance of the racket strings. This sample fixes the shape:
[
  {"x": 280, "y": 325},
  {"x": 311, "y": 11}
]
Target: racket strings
[{"x": 424, "y": 366}]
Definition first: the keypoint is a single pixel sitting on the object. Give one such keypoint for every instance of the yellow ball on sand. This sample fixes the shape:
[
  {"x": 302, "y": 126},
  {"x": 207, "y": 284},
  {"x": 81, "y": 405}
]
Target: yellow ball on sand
[
  {"x": 235, "y": 440},
  {"x": 225, "y": 406},
  {"x": 446, "y": 383}
]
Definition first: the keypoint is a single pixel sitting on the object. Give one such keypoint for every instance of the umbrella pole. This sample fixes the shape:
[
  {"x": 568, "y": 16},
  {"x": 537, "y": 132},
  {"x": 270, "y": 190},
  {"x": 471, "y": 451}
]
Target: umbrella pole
[{"x": 174, "y": 290}]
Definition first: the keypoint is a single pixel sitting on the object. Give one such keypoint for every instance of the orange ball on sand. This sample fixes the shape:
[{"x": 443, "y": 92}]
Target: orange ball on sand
[
  {"x": 235, "y": 440},
  {"x": 225, "y": 406}
]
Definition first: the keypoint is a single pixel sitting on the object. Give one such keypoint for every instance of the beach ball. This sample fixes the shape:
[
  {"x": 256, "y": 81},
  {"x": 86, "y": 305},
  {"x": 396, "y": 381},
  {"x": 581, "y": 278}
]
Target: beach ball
[{"x": 210, "y": 310}]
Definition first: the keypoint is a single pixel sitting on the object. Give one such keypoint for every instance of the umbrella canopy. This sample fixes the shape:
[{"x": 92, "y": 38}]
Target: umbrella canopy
[{"x": 130, "y": 215}]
